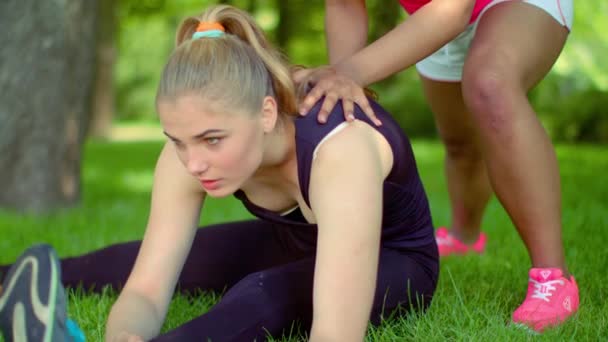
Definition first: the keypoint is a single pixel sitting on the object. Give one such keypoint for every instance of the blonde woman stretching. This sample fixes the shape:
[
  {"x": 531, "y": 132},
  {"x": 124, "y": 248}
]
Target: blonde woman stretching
[{"x": 343, "y": 236}]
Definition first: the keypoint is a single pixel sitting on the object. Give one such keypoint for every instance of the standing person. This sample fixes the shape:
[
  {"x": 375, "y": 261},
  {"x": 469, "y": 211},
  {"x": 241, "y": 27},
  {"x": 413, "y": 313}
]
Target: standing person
[
  {"x": 477, "y": 60},
  {"x": 340, "y": 239}
]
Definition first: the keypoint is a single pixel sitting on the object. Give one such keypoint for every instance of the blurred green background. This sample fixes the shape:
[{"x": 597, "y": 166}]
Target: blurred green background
[{"x": 572, "y": 101}]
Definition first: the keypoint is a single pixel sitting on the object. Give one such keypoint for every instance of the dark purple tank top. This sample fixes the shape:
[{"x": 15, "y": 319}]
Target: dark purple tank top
[{"x": 406, "y": 219}]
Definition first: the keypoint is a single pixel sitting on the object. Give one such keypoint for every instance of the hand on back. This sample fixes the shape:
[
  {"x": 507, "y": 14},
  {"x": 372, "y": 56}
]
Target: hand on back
[{"x": 334, "y": 85}]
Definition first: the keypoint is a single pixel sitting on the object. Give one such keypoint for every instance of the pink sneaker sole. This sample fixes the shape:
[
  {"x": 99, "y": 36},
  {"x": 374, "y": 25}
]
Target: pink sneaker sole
[{"x": 449, "y": 245}]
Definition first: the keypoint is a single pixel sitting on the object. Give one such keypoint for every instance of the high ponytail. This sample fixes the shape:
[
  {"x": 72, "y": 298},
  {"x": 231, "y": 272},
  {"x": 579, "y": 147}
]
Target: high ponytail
[{"x": 238, "y": 68}]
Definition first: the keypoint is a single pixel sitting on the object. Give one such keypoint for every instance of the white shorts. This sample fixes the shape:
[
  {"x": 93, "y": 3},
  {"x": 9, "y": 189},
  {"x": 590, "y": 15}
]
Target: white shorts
[{"x": 446, "y": 63}]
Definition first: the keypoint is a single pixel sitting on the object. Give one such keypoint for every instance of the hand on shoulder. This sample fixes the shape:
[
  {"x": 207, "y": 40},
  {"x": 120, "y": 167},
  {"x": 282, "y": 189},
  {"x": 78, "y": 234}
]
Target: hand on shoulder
[{"x": 335, "y": 85}]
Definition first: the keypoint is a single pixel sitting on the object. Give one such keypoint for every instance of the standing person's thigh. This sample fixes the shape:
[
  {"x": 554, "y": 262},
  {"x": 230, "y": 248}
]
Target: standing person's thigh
[
  {"x": 453, "y": 120},
  {"x": 514, "y": 47}
]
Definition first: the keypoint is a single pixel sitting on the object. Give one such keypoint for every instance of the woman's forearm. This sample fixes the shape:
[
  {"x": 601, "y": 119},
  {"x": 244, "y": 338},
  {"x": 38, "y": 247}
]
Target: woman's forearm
[
  {"x": 417, "y": 37},
  {"x": 134, "y": 314},
  {"x": 345, "y": 28}
]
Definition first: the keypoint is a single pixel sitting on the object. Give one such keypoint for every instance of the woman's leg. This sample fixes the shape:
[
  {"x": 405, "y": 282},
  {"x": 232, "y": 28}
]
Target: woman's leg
[
  {"x": 270, "y": 301},
  {"x": 515, "y": 46},
  {"x": 406, "y": 280},
  {"x": 468, "y": 184},
  {"x": 220, "y": 256},
  {"x": 261, "y": 304},
  {"x": 506, "y": 59}
]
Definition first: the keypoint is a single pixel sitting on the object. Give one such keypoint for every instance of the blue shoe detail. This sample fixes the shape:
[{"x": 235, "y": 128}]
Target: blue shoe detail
[
  {"x": 32, "y": 305},
  {"x": 74, "y": 331}
]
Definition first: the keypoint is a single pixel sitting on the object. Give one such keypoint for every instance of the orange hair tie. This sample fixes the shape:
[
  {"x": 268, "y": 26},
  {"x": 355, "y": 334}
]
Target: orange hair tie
[
  {"x": 208, "y": 26},
  {"x": 209, "y": 30}
]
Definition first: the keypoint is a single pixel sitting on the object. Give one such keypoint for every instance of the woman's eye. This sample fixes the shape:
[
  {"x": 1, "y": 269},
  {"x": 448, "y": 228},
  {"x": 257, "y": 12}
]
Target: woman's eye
[
  {"x": 178, "y": 144},
  {"x": 213, "y": 141}
]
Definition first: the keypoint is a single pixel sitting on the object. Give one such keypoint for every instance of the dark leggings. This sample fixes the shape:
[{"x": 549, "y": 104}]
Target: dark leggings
[{"x": 269, "y": 277}]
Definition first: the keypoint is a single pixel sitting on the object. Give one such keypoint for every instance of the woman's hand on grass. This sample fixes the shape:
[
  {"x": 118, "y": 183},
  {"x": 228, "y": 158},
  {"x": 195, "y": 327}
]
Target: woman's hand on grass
[
  {"x": 127, "y": 337},
  {"x": 335, "y": 85}
]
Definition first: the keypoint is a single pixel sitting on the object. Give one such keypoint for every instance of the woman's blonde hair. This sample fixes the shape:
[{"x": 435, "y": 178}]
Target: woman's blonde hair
[{"x": 238, "y": 69}]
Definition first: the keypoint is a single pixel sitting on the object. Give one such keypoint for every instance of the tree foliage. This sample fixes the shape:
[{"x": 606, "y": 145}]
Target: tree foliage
[{"x": 571, "y": 101}]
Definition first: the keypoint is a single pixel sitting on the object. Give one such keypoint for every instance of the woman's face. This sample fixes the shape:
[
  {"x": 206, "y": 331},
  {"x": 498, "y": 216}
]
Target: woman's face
[{"x": 220, "y": 146}]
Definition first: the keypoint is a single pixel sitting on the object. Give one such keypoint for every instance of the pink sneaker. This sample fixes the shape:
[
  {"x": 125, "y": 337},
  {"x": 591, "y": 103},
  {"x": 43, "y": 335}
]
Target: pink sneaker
[
  {"x": 551, "y": 299},
  {"x": 449, "y": 245}
]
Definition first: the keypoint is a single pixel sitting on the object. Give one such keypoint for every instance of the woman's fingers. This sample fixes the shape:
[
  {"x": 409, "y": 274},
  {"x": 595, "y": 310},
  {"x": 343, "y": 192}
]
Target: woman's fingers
[
  {"x": 363, "y": 103},
  {"x": 335, "y": 87},
  {"x": 349, "y": 108},
  {"x": 301, "y": 74},
  {"x": 311, "y": 98},
  {"x": 328, "y": 104},
  {"x": 127, "y": 337}
]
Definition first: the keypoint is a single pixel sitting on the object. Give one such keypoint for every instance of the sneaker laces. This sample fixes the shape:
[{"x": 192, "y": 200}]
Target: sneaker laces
[{"x": 544, "y": 289}]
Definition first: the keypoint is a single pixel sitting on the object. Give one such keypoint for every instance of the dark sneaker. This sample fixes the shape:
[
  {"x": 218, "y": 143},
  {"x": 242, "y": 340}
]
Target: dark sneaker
[{"x": 33, "y": 304}]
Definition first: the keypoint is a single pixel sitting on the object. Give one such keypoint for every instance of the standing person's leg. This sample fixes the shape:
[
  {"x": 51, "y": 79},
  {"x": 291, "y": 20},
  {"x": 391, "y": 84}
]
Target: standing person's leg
[
  {"x": 468, "y": 185},
  {"x": 514, "y": 47}
]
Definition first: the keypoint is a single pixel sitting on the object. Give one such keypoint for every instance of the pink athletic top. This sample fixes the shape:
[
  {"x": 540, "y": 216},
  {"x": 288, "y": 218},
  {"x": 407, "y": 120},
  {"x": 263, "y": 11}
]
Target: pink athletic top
[{"x": 412, "y": 6}]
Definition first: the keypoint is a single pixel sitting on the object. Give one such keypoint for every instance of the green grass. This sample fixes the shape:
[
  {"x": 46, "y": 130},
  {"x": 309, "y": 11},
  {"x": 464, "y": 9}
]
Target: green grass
[{"x": 475, "y": 295}]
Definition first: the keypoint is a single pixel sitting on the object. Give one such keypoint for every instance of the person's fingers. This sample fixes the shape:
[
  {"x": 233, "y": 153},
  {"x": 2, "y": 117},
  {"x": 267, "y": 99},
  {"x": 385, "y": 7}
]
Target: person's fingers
[
  {"x": 328, "y": 104},
  {"x": 126, "y": 337},
  {"x": 312, "y": 97},
  {"x": 301, "y": 74},
  {"x": 349, "y": 109},
  {"x": 367, "y": 109}
]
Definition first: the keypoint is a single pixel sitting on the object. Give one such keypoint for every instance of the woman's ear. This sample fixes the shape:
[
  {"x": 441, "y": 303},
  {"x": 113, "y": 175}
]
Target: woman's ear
[{"x": 270, "y": 114}]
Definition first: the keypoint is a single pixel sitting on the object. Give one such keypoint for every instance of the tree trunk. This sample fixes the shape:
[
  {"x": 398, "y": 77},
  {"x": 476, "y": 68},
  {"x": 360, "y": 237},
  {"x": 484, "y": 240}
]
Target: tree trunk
[
  {"x": 103, "y": 97},
  {"x": 46, "y": 72}
]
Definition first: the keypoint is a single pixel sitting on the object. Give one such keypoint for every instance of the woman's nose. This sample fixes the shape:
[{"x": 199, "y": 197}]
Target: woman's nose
[{"x": 197, "y": 164}]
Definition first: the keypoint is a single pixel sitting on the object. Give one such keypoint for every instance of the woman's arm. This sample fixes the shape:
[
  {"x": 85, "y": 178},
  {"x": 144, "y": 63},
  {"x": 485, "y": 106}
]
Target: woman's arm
[
  {"x": 177, "y": 199},
  {"x": 346, "y": 199},
  {"x": 345, "y": 28},
  {"x": 421, "y": 34}
]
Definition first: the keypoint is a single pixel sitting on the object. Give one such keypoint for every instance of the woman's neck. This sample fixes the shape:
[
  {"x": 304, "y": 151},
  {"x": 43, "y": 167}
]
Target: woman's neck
[{"x": 279, "y": 165}]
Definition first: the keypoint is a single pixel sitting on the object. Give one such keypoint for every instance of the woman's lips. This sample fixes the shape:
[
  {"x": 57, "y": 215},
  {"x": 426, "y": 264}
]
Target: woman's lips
[{"x": 210, "y": 184}]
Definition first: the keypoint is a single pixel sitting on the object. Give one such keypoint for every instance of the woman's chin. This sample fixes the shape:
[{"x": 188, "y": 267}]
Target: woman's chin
[
  {"x": 221, "y": 192},
  {"x": 217, "y": 194}
]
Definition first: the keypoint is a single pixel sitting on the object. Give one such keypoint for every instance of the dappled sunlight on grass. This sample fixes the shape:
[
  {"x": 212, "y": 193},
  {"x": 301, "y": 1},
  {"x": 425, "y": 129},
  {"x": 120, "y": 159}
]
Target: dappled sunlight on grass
[{"x": 138, "y": 181}]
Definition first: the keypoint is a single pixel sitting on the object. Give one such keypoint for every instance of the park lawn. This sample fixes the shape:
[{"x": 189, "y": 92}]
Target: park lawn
[{"x": 475, "y": 294}]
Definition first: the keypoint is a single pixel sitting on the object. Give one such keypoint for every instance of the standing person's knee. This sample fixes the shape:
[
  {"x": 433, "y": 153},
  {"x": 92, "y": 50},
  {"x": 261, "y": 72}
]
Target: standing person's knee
[
  {"x": 489, "y": 90},
  {"x": 461, "y": 148}
]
